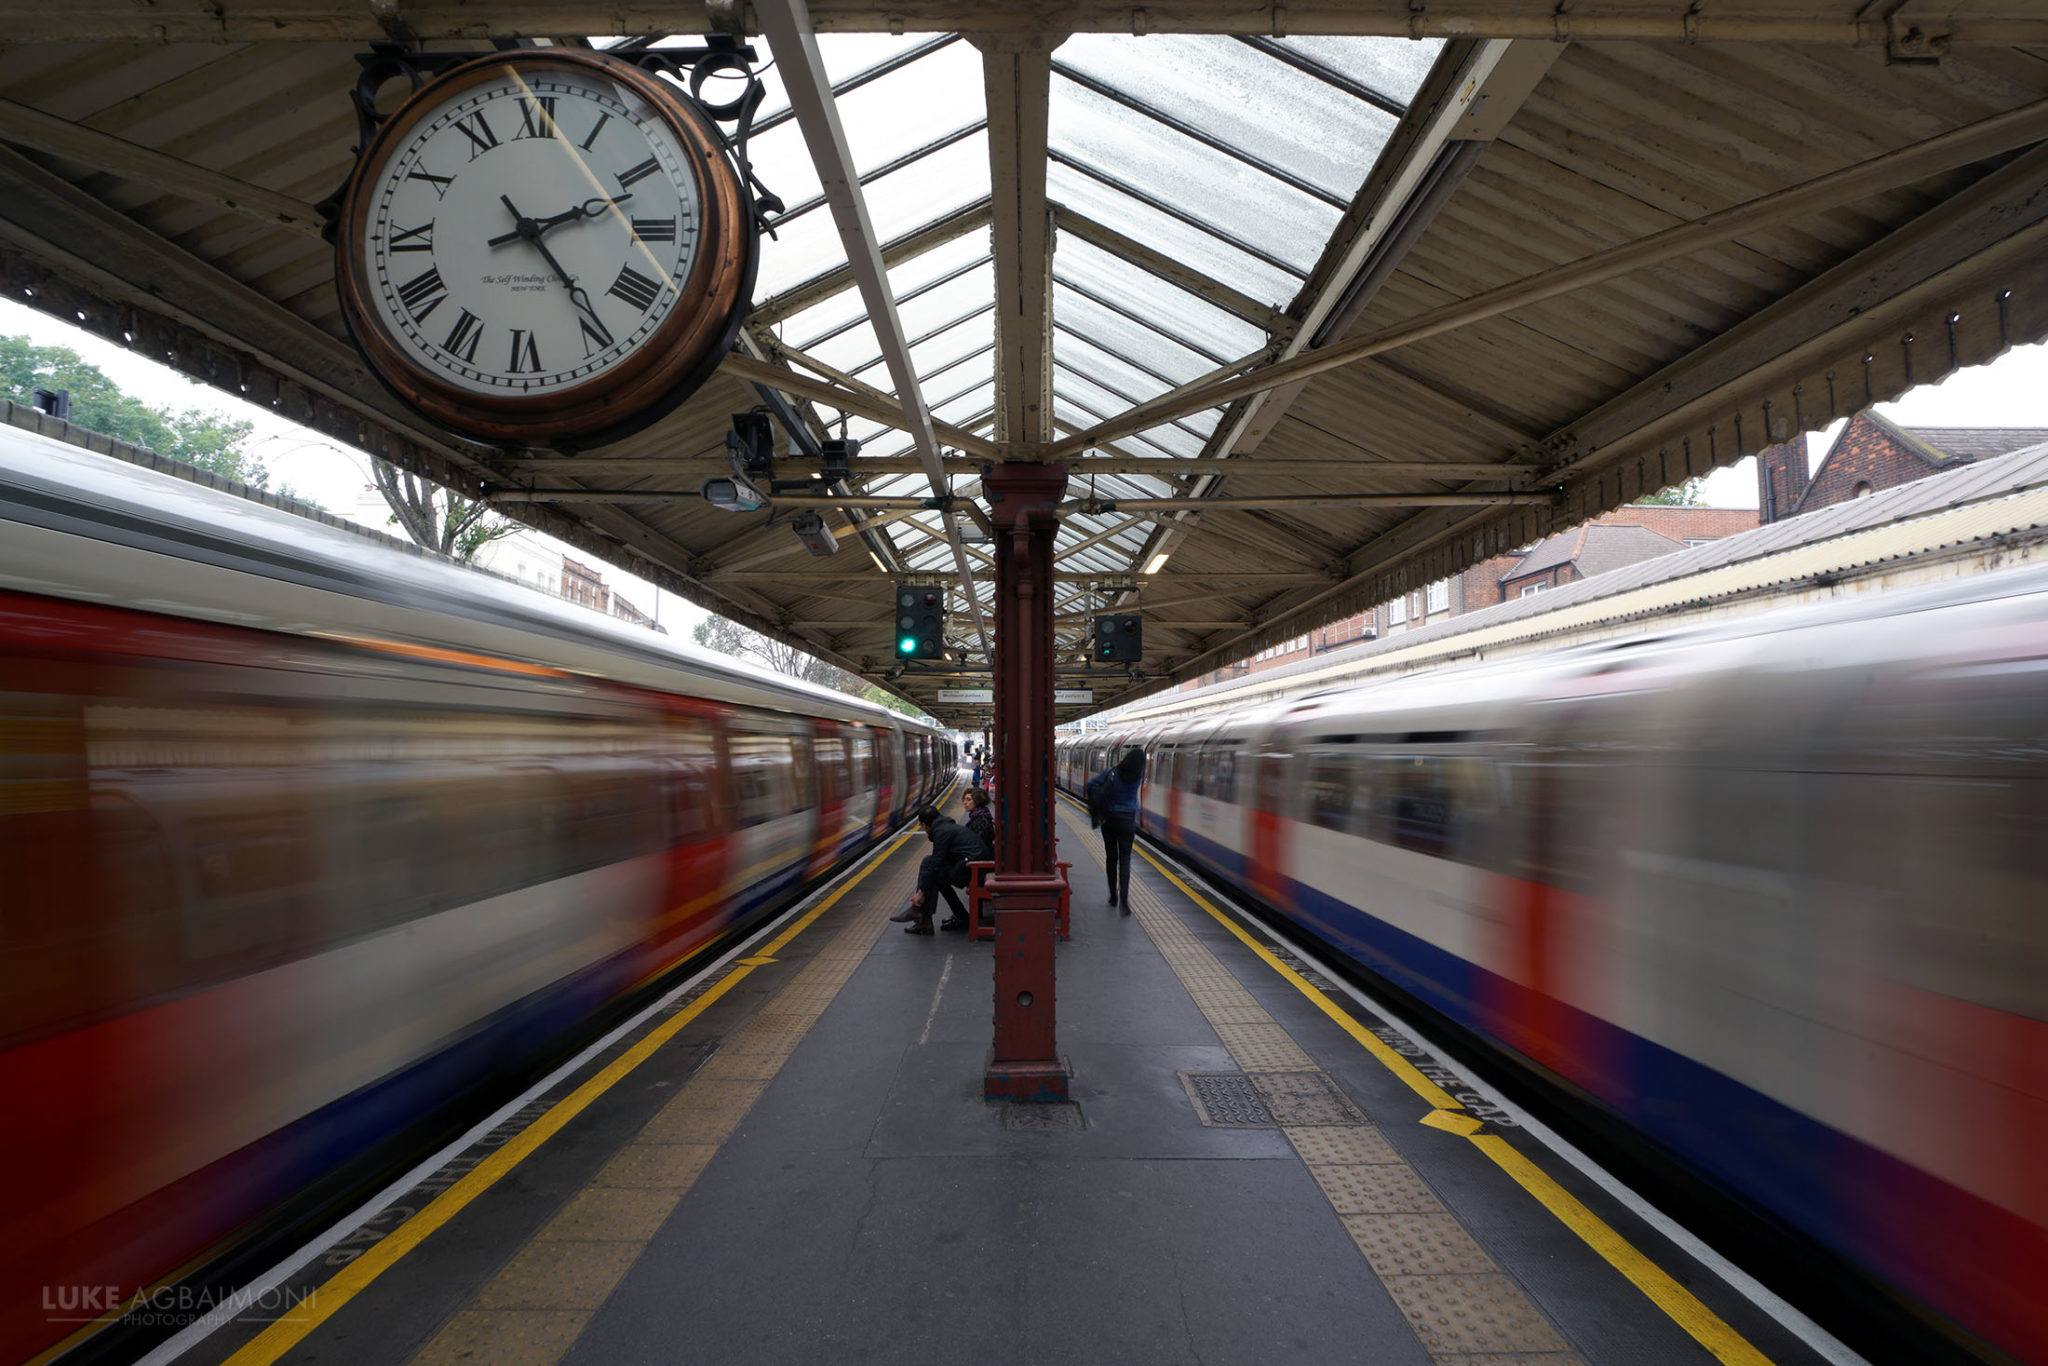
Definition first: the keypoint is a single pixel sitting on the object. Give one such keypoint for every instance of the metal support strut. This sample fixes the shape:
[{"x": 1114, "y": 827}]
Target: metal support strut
[{"x": 1026, "y": 888}]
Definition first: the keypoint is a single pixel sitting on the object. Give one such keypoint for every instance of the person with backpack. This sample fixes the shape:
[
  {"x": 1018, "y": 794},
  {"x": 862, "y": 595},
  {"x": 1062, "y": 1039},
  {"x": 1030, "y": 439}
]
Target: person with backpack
[
  {"x": 944, "y": 870},
  {"x": 1113, "y": 801}
]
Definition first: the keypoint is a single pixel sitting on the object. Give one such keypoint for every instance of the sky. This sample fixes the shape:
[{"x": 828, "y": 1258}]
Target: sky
[{"x": 2009, "y": 392}]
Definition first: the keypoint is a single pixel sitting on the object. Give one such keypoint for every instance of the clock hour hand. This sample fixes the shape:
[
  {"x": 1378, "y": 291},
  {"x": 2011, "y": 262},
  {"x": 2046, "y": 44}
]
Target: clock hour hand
[{"x": 589, "y": 208}]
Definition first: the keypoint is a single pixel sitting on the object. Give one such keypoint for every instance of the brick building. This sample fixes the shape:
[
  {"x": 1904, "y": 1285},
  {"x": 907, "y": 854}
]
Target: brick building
[
  {"x": 1870, "y": 454},
  {"x": 1627, "y": 535}
]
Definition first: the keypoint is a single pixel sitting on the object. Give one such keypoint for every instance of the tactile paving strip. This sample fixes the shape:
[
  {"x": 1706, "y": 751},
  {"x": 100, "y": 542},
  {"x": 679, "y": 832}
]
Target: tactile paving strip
[
  {"x": 537, "y": 1304},
  {"x": 1463, "y": 1309}
]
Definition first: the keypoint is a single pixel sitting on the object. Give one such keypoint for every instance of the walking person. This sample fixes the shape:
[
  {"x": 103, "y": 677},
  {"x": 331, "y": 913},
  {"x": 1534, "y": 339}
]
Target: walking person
[
  {"x": 944, "y": 870},
  {"x": 1114, "y": 793}
]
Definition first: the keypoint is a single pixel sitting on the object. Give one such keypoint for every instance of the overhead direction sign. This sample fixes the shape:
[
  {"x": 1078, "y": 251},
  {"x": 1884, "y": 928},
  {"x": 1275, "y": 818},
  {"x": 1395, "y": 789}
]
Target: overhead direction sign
[
  {"x": 967, "y": 695},
  {"x": 1071, "y": 696}
]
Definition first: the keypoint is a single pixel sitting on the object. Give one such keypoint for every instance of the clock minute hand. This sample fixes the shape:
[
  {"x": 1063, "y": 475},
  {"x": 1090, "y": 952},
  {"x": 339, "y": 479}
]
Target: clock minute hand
[{"x": 530, "y": 231}]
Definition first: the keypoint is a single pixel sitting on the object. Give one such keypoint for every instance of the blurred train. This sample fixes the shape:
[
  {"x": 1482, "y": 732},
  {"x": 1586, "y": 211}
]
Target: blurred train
[
  {"x": 1773, "y": 892},
  {"x": 302, "y": 835}
]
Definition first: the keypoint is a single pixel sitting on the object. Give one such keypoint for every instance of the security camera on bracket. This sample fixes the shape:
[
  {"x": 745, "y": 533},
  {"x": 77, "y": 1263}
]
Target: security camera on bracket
[{"x": 751, "y": 443}]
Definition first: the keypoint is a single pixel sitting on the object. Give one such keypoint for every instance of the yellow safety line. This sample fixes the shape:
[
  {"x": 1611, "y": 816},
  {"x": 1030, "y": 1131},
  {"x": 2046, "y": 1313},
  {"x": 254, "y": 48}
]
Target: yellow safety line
[
  {"x": 1706, "y": 1327},
  {"x": 1679, "y": 1304},
  {"x": 281, "y": 1336}
]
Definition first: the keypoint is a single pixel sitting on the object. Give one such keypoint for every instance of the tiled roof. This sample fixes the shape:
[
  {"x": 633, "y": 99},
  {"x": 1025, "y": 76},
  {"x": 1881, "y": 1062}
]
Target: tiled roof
[
  {"x": 1594, "y": 548},
  {"x": 1978, "y": 443}
]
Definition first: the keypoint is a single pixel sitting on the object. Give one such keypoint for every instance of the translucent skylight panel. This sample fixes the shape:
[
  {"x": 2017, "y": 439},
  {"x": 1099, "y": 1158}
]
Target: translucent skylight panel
[
  {"x": 912, "y": 105},
  {"x": 960, "y": 297},
  {"x": 981, "y": 361},
  {"x": 1082, "y": 356},
  {"x": 908, "y": 276},
  {"x": 1329, "y": 138},
  {"x": 799, "y": 251},
  {"x": 1395, "y": 67},
  {"x": 783, "y": 161},
  {"x": 851, "y": 347},
  {"x": 1088, "y": 394},
  {"x": 968, "y": 405},
  {"x": 966, "y": 375},
  {"x": 1225, "y": 336},
  {"x": 929, "y": 188},
  {"x": 1246, "y": 204},
  {"x": 1146, "y": 345},
  {"x": 961, "y": 339},
  {"x": 1166, "y": 234}
]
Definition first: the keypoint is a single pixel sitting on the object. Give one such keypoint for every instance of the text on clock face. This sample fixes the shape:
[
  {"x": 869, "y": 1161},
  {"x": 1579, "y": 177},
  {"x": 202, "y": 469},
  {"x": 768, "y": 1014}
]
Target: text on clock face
[{"x": 531, "y": 234}]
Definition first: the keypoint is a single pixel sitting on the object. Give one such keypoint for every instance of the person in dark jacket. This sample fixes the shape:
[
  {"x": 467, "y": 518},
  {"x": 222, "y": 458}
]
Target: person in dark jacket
[
  {"x": 944, "y": 870},
  {"x": 981, "y": 822},
  {"x": 1114, "y": 792}
]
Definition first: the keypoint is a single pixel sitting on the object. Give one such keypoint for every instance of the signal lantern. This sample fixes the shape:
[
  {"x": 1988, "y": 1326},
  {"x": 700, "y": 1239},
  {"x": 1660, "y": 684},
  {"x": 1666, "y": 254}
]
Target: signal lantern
[
  {"x": 1120, "y": 638},
  {"x": 920, "y": 623}
]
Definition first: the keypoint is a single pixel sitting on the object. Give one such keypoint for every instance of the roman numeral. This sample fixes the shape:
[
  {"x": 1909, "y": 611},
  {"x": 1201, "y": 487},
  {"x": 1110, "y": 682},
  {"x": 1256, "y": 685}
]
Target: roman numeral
[
  {"x": 525, "y": 354},
  {"x": 595, "y": 337},
  {"x": 481, "y": 138},
  {"x": 463, "y": 337},
  {"x": 598, "y": 127},
  {"x": 544, "y": 127},
  {"x": 652, "y": 229},
  {"x": 422, "y": 294},
  {"x": 412, "y": 239},
  {"x": 628, "y": 179},
  {"x": 635, "y": 288},
  {"x": 439, "y": 182}
]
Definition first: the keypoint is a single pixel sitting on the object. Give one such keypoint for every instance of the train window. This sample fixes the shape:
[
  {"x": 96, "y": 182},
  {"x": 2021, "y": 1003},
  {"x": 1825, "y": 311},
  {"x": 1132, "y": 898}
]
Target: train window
[
  {"x": 1224, "y": 786},
  {"x": 833, "y": 780},
  {"x": 864, "y": 760},
  {"x": 610, "y": 816},
  {"x": 763, "y": 782},
  {"x": 1420, "y": 806},
  {"x": 253, "y": 885},
  {"x": 1330, "y": 781},
  {"x": 694, "y": 758}
]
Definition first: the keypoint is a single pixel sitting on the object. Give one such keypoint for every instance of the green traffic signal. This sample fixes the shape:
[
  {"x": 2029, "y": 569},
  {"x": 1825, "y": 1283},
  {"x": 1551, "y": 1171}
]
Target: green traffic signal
[{"x": 905, "y": 646}]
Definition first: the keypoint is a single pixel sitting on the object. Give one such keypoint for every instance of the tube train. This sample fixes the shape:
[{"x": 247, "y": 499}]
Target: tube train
[
  {"x": 302, "y": 834},
  {"x": 1773, "y": 892}
]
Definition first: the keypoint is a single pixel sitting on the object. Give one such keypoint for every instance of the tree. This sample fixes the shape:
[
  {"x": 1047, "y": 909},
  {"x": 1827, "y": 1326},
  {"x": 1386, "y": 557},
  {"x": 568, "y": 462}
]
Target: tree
[
  {"x": 438, "y": 518},
  {"x": 211, "y": 440},
  {"x": 1689, "y": 494}
]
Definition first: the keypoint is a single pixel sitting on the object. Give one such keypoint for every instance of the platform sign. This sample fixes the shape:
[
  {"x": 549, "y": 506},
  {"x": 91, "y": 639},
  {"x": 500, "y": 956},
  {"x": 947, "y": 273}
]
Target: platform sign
[
  {"x": 983, "y": 695},
  {"x": 1064, "y": 697}
]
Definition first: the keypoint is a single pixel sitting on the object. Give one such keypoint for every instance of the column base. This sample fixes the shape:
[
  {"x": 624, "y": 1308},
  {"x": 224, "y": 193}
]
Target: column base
[{"x": 1029, "y": 1079}]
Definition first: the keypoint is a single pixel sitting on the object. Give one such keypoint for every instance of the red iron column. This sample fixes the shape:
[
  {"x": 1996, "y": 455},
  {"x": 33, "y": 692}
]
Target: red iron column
[{"x": 1026, "y": 886}]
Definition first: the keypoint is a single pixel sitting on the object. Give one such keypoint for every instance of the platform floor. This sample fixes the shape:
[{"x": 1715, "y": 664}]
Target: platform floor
[{"x": 794, "y": 1163}]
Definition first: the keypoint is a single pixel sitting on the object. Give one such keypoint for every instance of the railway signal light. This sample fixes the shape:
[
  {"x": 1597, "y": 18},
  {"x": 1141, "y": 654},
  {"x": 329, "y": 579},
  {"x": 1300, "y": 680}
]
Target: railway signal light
[
  {"x": 920, "y": 623},
  {"x": 1120, "y": 638}
]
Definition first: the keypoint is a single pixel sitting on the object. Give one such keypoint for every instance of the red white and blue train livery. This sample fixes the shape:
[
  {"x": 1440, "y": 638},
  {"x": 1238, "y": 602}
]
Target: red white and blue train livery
[
  {"x": 1774, "y": 892},
  {"x": 302, "y": 835}
]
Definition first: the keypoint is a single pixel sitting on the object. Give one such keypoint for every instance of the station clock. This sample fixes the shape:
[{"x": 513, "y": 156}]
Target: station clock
[{"x": 545, "y": 247}]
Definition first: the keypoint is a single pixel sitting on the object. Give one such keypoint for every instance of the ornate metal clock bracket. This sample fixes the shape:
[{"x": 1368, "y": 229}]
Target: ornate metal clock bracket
[{"x": 719, "y": 56}]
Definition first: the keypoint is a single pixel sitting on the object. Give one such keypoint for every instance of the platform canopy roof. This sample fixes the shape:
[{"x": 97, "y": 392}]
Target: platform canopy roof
[{"x": 1320, "y": 302}]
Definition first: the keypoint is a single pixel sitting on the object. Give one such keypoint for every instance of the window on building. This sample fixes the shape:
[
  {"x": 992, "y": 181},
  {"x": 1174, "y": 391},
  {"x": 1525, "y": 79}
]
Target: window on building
[
  {"x": 1862, "y": 491},
  {"x": 1530, "y": 590},
  {"x": 1397, "y": 610},
  {"x": 1440, "y": 596}
]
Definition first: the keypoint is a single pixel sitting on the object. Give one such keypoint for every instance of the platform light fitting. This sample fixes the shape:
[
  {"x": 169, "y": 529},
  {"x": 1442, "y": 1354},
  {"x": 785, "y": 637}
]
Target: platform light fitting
[
  {"x": 835, "y": 456},
  {"x": 816, "y": 536}
]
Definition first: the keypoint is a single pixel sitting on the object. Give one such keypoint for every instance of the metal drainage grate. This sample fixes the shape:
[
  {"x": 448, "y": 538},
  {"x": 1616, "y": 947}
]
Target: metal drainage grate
[{"x": 1226, "y": 1100}]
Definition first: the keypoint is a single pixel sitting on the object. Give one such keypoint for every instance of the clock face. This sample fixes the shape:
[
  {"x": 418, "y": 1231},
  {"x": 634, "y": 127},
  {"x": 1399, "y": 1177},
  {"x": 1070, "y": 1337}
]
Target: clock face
[
  {"x": 544, "y": 244},
  {"x": 503, "y": 191}
]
